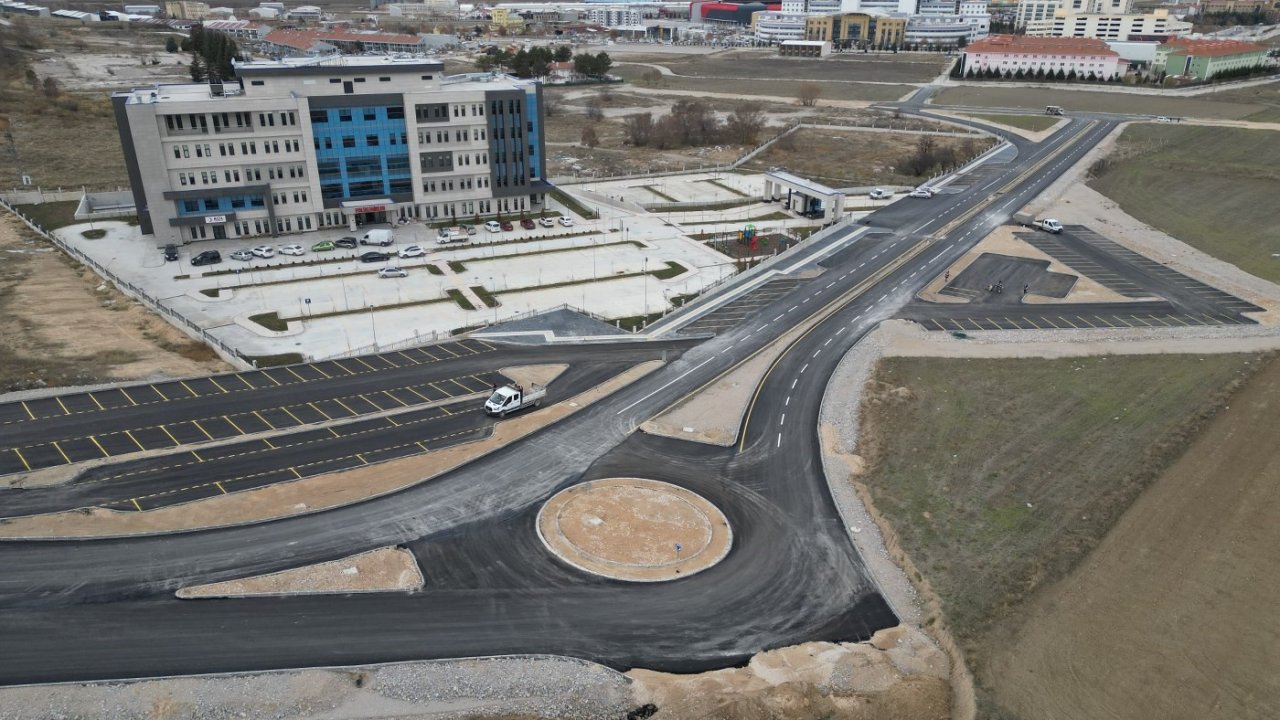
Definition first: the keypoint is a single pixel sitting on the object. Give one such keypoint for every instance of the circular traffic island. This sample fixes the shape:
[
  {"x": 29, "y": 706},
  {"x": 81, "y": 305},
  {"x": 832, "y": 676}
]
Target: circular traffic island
[{"x": 634, "y": 529}]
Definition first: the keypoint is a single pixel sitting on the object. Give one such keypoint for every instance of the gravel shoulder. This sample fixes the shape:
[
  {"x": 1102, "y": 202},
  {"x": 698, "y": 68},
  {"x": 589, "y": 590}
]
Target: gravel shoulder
[{"x": 381, "y": 570}]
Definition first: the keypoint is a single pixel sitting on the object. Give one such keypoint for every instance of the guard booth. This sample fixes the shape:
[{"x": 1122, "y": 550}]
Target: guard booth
[{"x": 804, "y": 197}]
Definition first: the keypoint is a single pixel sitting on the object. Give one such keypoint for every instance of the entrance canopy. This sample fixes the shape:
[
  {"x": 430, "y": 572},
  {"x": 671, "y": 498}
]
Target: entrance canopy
[{"x": 803, "y": 196}]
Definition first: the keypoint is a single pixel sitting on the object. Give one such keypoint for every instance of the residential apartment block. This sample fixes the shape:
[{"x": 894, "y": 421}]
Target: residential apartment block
[
  {"x": 1200, "y": 60},
  {"x": 301, "y": 144},
  {"x": 1156, "y": 25},
  {"x": 1013, "y": 53}
]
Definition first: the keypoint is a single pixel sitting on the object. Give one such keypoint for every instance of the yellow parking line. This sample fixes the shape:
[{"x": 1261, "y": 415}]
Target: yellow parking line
[
  {"x": 415, "y": 392},
  {"x": 58, "y": 447},
  {"x": 295, "y": 417},
  {"x": 33, "y": 415},
  {"x": 264, "y": 420},
  {"x": 246, "y": 382},
  {"x": 366, "y": 462},
  {"x": 104, "y": 450},
  {"x": 345, "y": 369},
  {"x": 219, "y": 486},
  {"x": 1068, "y": 322},
  {"x": 940, "y": 325},
  {"x": 325, "y": 414},
  {"x": 451, "y": 353},
  {"x": 171, "y": 437},
  {"x": 184, "y": 384},
  {"x": 486, "y": 345},
  {"x": 424, "y": 447},
  {"x": 216, "y": 384},
  {"x": 25, "y": 464},
  {"x": 270, "y": 444},
  {"x": 201, "y": 429},
  {"x": 458, "y": 381},
  {"x": 392, "y": 421},
  {"x": 445, "y": 410},
  {"x": 1175, "y": 318},
  {"x": 424, "y": 352},
  {"x": 126, "y": 397},
  {"x": 64, "y": 407},
  {"x": 196, "y": 455},
  {"x": 1161, "y": 321},
  {"x": 295, "y": 374},
  {"x": 437, "y": 387},
  {"x": 1033, "y": 322},
  {"x": 233, "y": 424},
  {"x": 393, "y": 397},
  {"x": 135, "y": 503},
  {"x": 345, "y": 406},
  {"x": 959, "y": 327},
  {"x": 408, "y": 357},
  {"x": 135, "y": 440},
  {"x": 1084, "y": 320},
  {"x": 296, "y": 473},
  {"x": 317, "y": 369},
  {"x": 95, "y": 401},
  {"x": 157, "y": 391},
  {"x": 364, "y": 363},
  {"x": 333, "y": 432},
  {"x": 277, "y": 382}
]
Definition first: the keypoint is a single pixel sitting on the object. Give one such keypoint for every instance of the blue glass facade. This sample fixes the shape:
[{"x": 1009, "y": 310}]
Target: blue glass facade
[
  {"x": 534, "y": 134},
  {"x": 224, "y": 204},
  {"x": 361, "y": 152}
]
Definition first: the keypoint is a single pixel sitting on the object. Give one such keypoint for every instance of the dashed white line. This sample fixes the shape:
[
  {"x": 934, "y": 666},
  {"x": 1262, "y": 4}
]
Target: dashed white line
[
  {"x": 806, "y": 367},
  {"x": 783, "y": 420},
  {"x": 793, "y": 383},
  {"x": 793, "y": 307},
  {"x": 828, "y": 342},
  {"x": 664, "y": 387},
  {"x": 787, "y": 402},
  {"x": 815, "y": 352},
  {"x": 779, "y": 440},
  {"x": 884, "y": 296},
  {"x": 779, "y": 317}
]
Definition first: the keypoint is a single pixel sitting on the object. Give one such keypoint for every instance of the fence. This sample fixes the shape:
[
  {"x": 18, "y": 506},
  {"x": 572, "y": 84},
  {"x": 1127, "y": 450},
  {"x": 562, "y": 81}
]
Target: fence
[{"x": 226, "y": 352}]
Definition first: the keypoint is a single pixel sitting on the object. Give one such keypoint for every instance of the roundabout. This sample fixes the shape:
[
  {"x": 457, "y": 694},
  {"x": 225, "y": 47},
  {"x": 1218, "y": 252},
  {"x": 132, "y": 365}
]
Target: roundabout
[{"x": 634, "y": 529}]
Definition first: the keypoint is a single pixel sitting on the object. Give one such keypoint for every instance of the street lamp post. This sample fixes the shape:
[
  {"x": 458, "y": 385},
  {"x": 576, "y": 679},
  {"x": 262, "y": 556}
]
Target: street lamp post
[
  {"x": 373, "y": 325},
  {"x": 646, "y": 284}
]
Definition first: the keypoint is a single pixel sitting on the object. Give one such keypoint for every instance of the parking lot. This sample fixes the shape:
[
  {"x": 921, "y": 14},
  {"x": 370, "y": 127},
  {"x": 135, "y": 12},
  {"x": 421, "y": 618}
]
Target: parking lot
[{"x": 730, "y": 314}]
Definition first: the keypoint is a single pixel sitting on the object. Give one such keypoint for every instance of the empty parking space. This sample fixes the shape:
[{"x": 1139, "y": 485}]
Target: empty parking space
[
  {"x": 1076, "y": 319},
  {"x": 734, "y": 312},
  {"x": 1057, "y": 248}
]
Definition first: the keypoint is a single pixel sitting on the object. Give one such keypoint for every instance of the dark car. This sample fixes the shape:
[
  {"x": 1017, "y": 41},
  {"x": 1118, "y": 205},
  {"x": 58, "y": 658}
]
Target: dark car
[
  {"x": 170, "y": 252},
  {"x": 528, "y": 223},
  {"x": 374, "y": 256},
  {"x": 208, "y": 257},
  {"x": 346, "y": 242},
  {"x": 507, "y": 226}
]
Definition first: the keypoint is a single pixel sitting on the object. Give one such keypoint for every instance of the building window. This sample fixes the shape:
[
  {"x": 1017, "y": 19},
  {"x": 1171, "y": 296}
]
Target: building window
[
  {"x": 348, "y": 141},
  {"x": 371, "y": 140},
  {"x": 256, "y": 82},
  {"x": 384, "y": 79}
]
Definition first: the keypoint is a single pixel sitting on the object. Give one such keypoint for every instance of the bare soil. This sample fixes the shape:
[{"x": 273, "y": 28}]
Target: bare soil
[
  {"x": 1173, "y": 614},
  {"x": 61, "y": 325},
  {"x": 842, "y": 158},
  {"x": 381, "y": 570},
  {"x": 1038, "y": 98}
]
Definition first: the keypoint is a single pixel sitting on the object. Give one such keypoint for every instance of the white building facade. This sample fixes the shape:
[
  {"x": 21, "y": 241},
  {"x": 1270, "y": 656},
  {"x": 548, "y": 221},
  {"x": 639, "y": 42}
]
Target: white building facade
[
  {"x": 1069, "y": 24},
  {"x": 1013, "y": 53},
  {"x": 300, "y": 145}
]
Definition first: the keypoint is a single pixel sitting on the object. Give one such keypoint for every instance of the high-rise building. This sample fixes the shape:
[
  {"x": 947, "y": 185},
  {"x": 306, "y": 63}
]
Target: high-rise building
[{"x": 300, "y": 144}]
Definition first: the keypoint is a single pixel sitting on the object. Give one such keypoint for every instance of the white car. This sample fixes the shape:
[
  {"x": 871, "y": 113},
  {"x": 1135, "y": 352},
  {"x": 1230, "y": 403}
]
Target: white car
[
  {"x": 292, "y": 250},
  {"x": 264, "y": 251},
  {"x": 412, "y": 251},
  {"x": 921, "y": 192},
  {"x": 566, "y": 221},
  {"x": 1162, "y": 118},
  {"x": 493, "y": 226},
  {"x": 393, "y": 272},
  {"x": 546, "y": 222},
  {"x": 880, "y": 194}
]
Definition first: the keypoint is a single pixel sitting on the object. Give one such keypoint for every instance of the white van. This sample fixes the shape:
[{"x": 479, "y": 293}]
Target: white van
[{"x": 379, "y": 237}]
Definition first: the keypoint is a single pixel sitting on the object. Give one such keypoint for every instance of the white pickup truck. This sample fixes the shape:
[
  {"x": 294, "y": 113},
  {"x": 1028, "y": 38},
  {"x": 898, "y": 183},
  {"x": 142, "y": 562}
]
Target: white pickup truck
[
  {"x": 1048, "y": 225},
  {"x": 510, "y": 398}
]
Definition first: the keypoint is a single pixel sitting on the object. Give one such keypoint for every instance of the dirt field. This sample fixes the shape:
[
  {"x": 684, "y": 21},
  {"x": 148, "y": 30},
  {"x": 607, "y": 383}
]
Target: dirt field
[
  {"x": 1000, "y": 475},
  {"x": 1213, "y": 188},
  {"x": 1026, "y": 122},
  {"x": 60, "y": 326},
  {"x": 1268, "y": 95},
  {"x": 1173, "y": 615},
  {"x": 914, "y": 68},
  {"x": 846, "y": 158},
  {"x": 1023, "y": 97}
]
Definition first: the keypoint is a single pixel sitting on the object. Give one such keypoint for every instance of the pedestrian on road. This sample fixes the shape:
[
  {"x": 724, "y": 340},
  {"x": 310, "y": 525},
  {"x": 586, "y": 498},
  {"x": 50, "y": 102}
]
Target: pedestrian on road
[
  {"x": 946, "y": 276},
  {"x": 1026, "y": 289}
]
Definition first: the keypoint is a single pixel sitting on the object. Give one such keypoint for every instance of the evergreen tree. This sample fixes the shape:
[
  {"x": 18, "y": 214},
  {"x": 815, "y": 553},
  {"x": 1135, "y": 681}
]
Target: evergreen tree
[
  {"x": 198, "y": 73},
  {"x": 171, "y": 45}
]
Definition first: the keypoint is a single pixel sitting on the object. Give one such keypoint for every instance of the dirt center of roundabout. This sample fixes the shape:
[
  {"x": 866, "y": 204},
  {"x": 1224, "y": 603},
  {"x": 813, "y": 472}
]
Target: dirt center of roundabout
[{"x": 634, "y": 529}]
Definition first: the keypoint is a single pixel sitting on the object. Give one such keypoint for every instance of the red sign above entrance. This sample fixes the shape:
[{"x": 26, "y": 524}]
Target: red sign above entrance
[{"x": 369, "y": 208}]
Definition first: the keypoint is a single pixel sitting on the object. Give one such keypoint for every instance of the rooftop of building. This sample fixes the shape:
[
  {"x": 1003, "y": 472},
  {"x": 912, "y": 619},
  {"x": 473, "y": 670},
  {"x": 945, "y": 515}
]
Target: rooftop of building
[
  {"x": 302, "y": 39},
  {"x": 1211, "y": 48},
  {"x": 1033, "y": 45}
]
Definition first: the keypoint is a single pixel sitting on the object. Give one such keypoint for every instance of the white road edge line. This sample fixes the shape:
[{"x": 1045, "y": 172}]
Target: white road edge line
[{"x": 664, "y": 387}]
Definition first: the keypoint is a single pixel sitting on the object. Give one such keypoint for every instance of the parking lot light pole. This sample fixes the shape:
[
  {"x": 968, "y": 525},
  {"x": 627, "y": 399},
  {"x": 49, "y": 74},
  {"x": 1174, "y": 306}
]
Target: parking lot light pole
[{"x": 373, "y": 325}]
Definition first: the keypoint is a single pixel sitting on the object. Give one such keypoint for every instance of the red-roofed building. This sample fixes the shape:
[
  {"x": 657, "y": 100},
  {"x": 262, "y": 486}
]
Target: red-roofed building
[
  {"x": 1205, "y": 59},
  {"x": 309, "y": 42},
  {"x": 1007, "y": 54}
]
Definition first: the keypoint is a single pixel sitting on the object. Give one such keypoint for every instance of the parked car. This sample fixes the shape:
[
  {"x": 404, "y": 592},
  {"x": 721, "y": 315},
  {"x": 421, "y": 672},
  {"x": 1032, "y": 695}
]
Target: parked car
[
  {"x": 243, "y": 255},
  {"x": 449, "y": 235},
  {"x": 528, "y": 223},
  {"x": 392, "y": 272},
  {"x": 411, "y": 251},
  {"x": 880, "y": 194},
  {"x": 546, "y": 222},
  {"x": 323, "y": 246},
  {"x": 493, "y": 226},
  {"x": 468, "y": 228},
  {"x": 374, "y": 256},
  {"x": 566, "y": 221},
  {"x": 170, "y": 252},
  {"x": 292, "y": 250},
  {"x": 921, "y": 192},
  {"x": 346, "y": 242},
  {"x": 208, "y": 257},
  {"x": 381, "y": 237},
  {"x": 507, "y": 226},
  {"x": 264, "y": 251}
]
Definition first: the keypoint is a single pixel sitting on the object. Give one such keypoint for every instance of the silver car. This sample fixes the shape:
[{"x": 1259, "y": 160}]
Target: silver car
[{"x": 393, "y": 272}]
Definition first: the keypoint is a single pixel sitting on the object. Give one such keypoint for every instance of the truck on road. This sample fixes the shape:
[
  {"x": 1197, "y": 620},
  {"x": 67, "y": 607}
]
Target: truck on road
[
  {"x": 512, "y": 397},
  {"x": 1048, "y": 225},
  {"x": 1053, "y": 110}
]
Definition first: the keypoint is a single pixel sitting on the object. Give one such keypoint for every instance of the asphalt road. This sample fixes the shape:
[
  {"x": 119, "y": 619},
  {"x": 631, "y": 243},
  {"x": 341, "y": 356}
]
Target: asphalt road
[{"x": 76, "y": 610}]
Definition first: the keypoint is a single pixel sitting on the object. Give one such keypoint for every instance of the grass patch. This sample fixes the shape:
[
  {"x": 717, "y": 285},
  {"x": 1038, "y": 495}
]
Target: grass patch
[
  {"x": 634, "y": 323},
  {"x": 1213, "y": 188},
  {"x": 434, "y": 269},
  {"x": 1035, "y": 123},
  {"x": 654, "y": 189},
  {"x": 843, "y": 158},
  {"x": 1093, "y": 101},
  {"x": 51, "y": 215},
  {"x": 457, "y": 296},
  {"x": 568, "y": 201},
  {"x": 457, "y": 266},
  {"x": 211, "y": 292},
  {"x": 485, "y": 296},
  {"x": 998, "y": 476},
  {"x": 725, "y": 205},
  {"x": 94, "y": 234},
  {"x": 722, "y": 186},
  {"x": 270, "y": 321},
  {"x": 671, "y": 270},
  {"x": 291, "y": 358}
]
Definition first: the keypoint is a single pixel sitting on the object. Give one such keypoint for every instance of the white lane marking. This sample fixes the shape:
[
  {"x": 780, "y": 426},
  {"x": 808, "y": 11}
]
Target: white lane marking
[
  {"x": 859, "y": 266},
  {"x": 793, "y": 383},
  {"x": 806, "y": 367},
  {"x": 833, "y": 282},
  {"x": 828, "y": 342},
  {"x": 804, "y": 301},
  {"x": 779, "y": 317},
  {"x": 779, "y": 440},
  {"x": 664, "y": 387},
  {"x": 858, "y": 317},
  {"x": 783, "y": 421},
  {"x": 815, "y": 352},
  {"x": 788, "y": 402},
  {"x": 762, "y": 327},
  {"x": 793, "y": 307},
  {"x": 884, "y": 296}
]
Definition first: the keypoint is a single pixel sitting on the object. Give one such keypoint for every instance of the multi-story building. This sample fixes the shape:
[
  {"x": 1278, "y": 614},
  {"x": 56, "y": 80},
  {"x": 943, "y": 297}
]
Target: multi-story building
[
  {"x": 186, "y": 9},
  {"x": 1157, "y": 24},
  {"x": 298, "y": 145},
  {"x": 1030, "y": 11},
  {"x": 1203, "y": 59},
  {"x": 1013, "y": 53}
]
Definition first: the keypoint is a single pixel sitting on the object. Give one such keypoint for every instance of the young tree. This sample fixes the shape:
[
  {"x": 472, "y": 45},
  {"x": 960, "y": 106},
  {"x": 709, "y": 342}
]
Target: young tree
[
  {"x": 744, "y": 124},
  {"x": 589, "y": 137},
  {"x": 808, "y": 93},
  {"x": 198, "y": 72},
  {"x": 585, "y": 64},
  {"x": 595, "y": 110},
  {"x": 603, "y": 63},
  {"x": 171, "y": 44},
  {"x": 564, "y": 53},
  {"x": 50, "y": 88},
  {"x": 639, "y": 128},
  {"x": 32, "y": 79}
]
